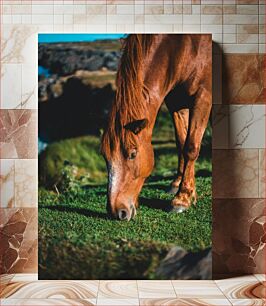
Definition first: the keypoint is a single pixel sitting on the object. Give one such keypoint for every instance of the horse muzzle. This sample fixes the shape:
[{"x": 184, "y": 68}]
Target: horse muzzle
[{"x": 125, "y": 214}]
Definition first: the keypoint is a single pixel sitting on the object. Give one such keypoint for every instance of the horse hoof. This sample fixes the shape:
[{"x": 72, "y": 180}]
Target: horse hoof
[
  {"x": 173, "y": 190},
  {"x": 179, "y": 209}
]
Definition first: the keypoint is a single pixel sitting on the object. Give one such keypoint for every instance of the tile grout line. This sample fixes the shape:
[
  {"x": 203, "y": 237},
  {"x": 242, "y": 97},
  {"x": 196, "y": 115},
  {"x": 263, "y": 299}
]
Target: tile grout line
[
  {"x": 138, "y": 285},
  {"x": 221, "y": 291}
]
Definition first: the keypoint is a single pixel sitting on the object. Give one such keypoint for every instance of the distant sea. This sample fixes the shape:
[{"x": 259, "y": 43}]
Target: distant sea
[
  {"x": 43, "y": 71},
  {"x": 56, "y": 38}
]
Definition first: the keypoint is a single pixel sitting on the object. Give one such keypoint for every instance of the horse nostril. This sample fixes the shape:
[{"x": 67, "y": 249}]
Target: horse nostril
[{"x": 123, "y": 214}]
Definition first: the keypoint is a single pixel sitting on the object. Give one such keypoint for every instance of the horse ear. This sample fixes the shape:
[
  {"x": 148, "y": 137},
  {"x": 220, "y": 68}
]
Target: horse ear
[{"x": 137, "y": 125}]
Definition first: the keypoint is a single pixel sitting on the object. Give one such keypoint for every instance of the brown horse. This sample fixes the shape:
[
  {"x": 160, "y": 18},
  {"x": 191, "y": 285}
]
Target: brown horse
[{"x": 154, "y": 69}]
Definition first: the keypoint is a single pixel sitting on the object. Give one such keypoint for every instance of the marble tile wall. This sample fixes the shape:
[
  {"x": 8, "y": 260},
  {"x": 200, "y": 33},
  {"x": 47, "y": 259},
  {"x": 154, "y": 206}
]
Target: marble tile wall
[{"x": 238, "y": 29}]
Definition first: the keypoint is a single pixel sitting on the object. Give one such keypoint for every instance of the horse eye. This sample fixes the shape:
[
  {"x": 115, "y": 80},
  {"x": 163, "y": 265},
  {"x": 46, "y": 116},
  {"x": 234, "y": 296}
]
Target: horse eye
[{"x": 132, "y": 154}]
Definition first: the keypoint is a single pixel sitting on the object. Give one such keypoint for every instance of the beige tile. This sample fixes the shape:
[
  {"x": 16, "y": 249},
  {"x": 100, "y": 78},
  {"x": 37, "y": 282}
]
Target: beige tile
[
  {"x": 242, "y": 287},
  {"x": 163, "y": 19},
  {"x": 6, "y": 9},
  {"x": 229, "y": 9},
  {"x": 262, "y": 48},
  {"x": 124, "y": 9},
  {"x": 59, "y": 19},
  {"x": 191, "y": 19},
  {"x": 247, "y": 38},
  {"x": 43, "y": 19},
  {"x": 25, "y": 277},
  {"x": 120, "y": 19},
  {"x": 150, "y": 9},
  {"x": 262, "y": 173},
  {"x": 229, "y": 38},
  {"x": 195, "y": 9},
  {"x": 99, "y": 21},
  {"x": 178, "y": 9},
  {"x": 156, "y": 289},
  {"x": 183, "y": 302},
  {"x": 211, "y": 9},
  {"x": 197, "y": 289},
  {"x": 18, "y": 130},
  {"x": 26, "y": 183},
  {"x": 247, "y": 126},
  {"x": 262, "y": 38},
  {"x": 79, "y": 28},
  {"x": 29, "y": 82},
  {"x": 18, "y": 232},
  {"x": 42, "y": 9},
  {"x": 125, "y": 28},
  {"x": 216, "y": 2},
  {"x": 235, "y": 173},
  {"x": 247, "y": 29},
  {"x": 262, "y": 9},
  {"x": 79, "y": 19},
  {"x": 48, "y": 302},
  {"x": 217, "y": 38},
  {"x": 21, "y": 9},
  {"x": 240, "y": 48},
  {"x": 187, "y": 9},
  {"x": 240, "y": 19},
  {"x": 139, "y": 19},
  {"x": 58, "y": 9},
  {"x": 111, "y": 9},
  {"x": 10, "y": 86},
  {"x": 209, "y": 28},
  {"x": 139, "y": 8},
  {"x": 7, "y": 183},
  {"x": 139, "y": 28},
  {"x": 260, "y": 277},
  {"x": 52, "y": 290},
  {"x": 229, "y": 28},
  {"x": 7, "y": 19},
  {"x": 243, "y": 79},
  {"x": 118, "y": 290},
  {"x": 5, "y": 279},
  {"x": 79, "y": 9},
  {"x": 248, "y": 302},
  {"x": 247, "y": 1},
  {"x": 191, "y": 28},
  {"x": 211, "y": 19},
  {"x": 117, "y": 302},
  {"x": 247, "y": 9},
  {"x": 238, "y": 247}
]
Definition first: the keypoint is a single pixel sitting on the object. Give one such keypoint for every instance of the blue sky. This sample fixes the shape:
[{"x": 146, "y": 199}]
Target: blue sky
[{"x": 50, "y": 38}]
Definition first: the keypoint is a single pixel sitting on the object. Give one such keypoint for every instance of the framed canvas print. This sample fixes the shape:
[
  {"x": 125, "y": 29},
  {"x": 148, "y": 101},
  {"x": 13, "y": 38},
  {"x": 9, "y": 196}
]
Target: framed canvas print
[{"x": 125, "y": 156}]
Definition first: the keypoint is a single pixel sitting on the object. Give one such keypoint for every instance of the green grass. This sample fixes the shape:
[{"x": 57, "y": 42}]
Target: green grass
[{"x": 78, "y": 241}]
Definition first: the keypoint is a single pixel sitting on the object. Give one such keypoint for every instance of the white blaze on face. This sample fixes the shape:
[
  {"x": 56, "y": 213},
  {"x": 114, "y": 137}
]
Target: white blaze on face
[{"x": 113, "y": 179}]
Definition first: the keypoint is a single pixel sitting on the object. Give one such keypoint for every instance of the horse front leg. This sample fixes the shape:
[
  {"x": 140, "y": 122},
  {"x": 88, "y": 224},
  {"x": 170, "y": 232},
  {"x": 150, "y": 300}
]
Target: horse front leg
[
  {"x": 180, "y": 120},
  {"x": 199, "y": 116}
]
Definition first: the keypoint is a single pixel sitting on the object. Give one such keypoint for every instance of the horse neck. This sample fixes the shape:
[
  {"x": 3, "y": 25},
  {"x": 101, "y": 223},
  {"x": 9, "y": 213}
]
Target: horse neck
[{"x": 156, "y": 75}]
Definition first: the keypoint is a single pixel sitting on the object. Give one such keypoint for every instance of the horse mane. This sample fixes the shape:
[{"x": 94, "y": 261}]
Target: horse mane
[{"x": 131, "y": 94}]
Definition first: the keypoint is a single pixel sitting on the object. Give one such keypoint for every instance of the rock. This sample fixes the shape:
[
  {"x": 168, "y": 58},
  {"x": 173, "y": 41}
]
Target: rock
[
  {"x": 66, "y": 58},
  {"x": 179, "y": 264},
  {"x": 75, "y": 105}
]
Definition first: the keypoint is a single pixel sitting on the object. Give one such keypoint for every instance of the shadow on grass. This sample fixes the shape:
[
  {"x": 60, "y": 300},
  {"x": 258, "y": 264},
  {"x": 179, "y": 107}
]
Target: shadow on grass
[
  {"x": 160, "y": 204},
  {"x": 81, "y": 211},
  {"x": 203, "y": 173}
]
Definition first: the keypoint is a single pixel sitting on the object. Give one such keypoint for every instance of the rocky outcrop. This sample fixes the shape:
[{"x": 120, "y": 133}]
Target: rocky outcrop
[
  {"x": 75, "y": 105},
  {"x": 180, "y": 264},
  {"x": 66, "y": 58}
]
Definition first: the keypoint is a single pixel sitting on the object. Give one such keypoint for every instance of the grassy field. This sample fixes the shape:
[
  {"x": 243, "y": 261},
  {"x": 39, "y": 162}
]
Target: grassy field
[{"x": 78, "y": 241}]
